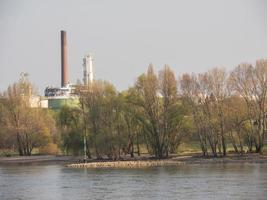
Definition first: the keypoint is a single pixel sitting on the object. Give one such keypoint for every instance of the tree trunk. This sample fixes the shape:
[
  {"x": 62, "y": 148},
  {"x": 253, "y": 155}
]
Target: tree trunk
[
  {"x": 19, "y": 145},
  {"x": 88, "y": 153},
  {"x": 223, "y": 145},
  {"x": 137, "y": 143}
]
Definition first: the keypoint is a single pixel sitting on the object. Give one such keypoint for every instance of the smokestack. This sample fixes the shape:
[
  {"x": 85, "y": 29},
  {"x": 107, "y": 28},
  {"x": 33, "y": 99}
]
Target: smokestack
[
  {"x": 88, "y": 70},
  {"x": 64, "y": 59}
]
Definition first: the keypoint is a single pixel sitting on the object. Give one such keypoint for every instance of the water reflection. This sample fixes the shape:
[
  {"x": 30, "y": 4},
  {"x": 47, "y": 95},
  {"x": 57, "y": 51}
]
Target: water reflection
[{"x": 212, "y": 181}]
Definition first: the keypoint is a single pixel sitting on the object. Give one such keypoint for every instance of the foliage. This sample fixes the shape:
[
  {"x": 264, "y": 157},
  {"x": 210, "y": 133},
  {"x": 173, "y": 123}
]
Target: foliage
[
  {"x": 216, "y": 108},
  {"x": 156, "y": 98},
  {"x": 69, "y": 124},
  {"x": 24, "y": 127}
]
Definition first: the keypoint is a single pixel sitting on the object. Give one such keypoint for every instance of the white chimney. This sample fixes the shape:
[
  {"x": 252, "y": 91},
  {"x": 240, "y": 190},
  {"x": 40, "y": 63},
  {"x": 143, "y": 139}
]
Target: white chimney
[{"x": 88, "y": 69}]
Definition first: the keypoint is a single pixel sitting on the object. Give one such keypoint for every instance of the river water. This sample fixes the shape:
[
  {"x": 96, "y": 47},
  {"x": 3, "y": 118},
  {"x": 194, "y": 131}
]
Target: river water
[{"x": 204, "y": 181}]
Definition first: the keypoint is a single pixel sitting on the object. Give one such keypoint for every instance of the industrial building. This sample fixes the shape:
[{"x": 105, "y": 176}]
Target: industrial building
[{"x": 65, "y": 95}]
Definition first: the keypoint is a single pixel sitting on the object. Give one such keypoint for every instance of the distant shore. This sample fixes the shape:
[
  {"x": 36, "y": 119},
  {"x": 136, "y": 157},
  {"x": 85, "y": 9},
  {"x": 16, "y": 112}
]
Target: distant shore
[
  {"x": 38, "y": 159},
  {"x": 136, "y": 162}
]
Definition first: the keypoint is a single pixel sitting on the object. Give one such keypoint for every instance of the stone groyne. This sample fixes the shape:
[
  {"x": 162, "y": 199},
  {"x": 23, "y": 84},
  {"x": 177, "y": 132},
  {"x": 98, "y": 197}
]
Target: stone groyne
[{"x": 126, "y": 164}]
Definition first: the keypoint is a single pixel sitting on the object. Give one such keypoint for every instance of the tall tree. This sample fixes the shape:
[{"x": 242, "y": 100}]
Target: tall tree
[
  {"x": 32, "y": 127},
  {"x": 104, "y": 119},
  {"x": 157, "y": 97},
  {"x": 250, "y": 83}
]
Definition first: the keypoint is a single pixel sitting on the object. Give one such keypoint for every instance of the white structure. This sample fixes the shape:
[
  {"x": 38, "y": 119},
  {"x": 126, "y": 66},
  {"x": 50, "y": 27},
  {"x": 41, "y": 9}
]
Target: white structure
[
  {"x": 88, "y": 69},
  {"x": 38, "y": 102}
]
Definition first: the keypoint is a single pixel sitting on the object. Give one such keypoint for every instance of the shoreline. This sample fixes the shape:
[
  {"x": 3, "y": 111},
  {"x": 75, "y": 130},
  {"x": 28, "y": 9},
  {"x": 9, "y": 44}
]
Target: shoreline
[
  {"x": 173, "y": 161},
  {"x": 38, "y": 159},
  {"x": 136, "y": 162}
]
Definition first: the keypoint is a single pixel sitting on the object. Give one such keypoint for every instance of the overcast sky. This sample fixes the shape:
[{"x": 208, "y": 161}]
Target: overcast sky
[{"x": 125, "y": 36}]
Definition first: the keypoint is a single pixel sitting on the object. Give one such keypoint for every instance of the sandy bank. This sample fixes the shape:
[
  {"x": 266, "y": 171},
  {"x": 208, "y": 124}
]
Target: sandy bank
[
  {"x": 126, "y": 164},
  {"x": 174, "y": 161}
]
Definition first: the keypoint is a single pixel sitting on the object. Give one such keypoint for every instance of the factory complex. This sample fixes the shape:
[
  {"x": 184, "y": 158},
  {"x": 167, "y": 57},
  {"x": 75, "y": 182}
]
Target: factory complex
[{"x": 56, "y": 97}]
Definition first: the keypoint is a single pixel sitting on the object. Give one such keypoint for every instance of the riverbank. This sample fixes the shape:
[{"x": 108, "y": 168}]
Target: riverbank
[
  {"x": 230, "y": 158},
  {"x": 136, "y": 162},
  {"x": 173, "y": 161},
  {"x": 38, "y": 159}
]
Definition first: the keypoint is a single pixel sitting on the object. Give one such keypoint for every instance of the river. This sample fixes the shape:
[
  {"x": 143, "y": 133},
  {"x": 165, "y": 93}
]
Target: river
[{"x": 196, "y": 181}]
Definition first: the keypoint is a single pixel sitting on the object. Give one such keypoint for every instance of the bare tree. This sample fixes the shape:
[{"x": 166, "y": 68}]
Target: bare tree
[
  {"x": 250, "y": 83},
  {"x": 157, "y": 97},
  {"x": 190, "y": 90},
  {"x": 236, "y": 122},
  {"x": 217, "y": 80}
]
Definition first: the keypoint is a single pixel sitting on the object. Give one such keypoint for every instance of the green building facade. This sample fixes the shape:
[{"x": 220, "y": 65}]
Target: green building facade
[{"x": 56, "y": 103}]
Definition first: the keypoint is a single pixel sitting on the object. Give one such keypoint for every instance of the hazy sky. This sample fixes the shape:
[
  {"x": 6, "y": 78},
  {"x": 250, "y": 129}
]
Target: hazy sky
[{"x": 125, "y": 36}]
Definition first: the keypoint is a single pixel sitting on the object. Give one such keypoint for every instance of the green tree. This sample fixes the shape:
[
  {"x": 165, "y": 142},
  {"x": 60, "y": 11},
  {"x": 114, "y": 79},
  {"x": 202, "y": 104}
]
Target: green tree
[
  {"x": 69, "y": 120},
  {"x": 103, "y": 115}
]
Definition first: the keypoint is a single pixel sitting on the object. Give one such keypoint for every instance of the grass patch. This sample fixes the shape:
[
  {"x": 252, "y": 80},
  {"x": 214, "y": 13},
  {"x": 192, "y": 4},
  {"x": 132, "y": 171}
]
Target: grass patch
[
  {"x": 189, "y": 147},
  {"x": 8, "y": 153}
]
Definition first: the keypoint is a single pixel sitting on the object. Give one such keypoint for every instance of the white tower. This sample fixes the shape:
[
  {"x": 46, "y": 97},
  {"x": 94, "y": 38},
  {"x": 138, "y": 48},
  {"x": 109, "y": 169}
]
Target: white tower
[{"x": 88, "y": 69}]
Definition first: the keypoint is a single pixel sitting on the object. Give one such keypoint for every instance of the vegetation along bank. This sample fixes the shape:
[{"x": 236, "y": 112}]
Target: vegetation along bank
[{"x": 211, "y": 113}]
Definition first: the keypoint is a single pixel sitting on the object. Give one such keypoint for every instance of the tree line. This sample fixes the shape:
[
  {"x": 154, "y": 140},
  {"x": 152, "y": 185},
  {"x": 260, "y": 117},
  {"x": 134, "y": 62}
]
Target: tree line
[{"x": 220, "y": 110}]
